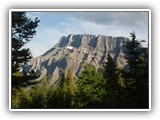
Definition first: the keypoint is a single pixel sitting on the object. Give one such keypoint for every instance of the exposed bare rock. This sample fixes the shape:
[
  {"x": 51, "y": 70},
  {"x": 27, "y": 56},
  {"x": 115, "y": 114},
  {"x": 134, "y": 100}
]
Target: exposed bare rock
[{"x": 75, "y": 50}]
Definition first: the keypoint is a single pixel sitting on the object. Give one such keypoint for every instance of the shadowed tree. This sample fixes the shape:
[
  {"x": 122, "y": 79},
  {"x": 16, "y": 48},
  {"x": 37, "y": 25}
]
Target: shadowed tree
[
  {"x": 23, "y": 30},
  {"x": 136, "y": 78},
  {"x": 133, "y": 51},
  {"x": 113, "y": 84},
  {"x": 39, "y": 94},
  {"x": 111, "y": 73},
  {"x": 62, "y": 96}
]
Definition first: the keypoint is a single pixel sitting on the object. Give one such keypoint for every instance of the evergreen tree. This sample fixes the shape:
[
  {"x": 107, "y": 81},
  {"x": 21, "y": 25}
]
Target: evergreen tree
[
  {"x": 39, "y": 95},
  {"x": 20, "y": 98},
  {"x": 133, "y": 51},
  {"x": 136, "y": 77},
  {"x": 56, "y": 98},
  {"x": 113, "y": 85},
  {"x": 63, "y": 96},
  {"x": 111, "y": 73},
  {"x": 23, "y": 29},
  {"x": 70, "y": 81},
  {"x": 143, "y": 82},
  {"x": 91, "y": 90},
  {"x": 69, "y": 88},
  {"x": 62, "y": 80}
]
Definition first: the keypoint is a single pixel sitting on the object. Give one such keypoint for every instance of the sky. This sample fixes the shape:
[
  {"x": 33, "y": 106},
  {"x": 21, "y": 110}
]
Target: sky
[{"x": 54, "y": 25}]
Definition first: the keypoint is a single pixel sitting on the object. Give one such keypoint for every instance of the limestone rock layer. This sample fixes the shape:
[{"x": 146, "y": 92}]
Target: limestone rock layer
[{"x": 74, "y": 51}]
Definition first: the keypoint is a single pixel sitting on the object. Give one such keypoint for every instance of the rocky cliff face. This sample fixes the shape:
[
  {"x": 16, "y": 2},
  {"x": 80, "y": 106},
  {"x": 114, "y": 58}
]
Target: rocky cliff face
[{"x": 74, "y": 51}]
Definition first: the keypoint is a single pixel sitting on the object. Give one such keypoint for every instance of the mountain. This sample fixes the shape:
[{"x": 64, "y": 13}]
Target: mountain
[{"x": 74, "y": 51}]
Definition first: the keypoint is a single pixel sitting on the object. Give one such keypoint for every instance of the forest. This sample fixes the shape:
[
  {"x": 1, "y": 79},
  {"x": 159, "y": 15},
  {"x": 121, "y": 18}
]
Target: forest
[{"x": 109, "y": 88}]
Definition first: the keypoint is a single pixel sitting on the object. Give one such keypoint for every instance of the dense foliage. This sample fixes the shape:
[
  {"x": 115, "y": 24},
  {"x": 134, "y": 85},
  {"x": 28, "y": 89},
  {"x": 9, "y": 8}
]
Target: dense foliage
[
  {"x": 23, "y": 30},
  {"x": 136, "y": 78},
  {"x": 109, "y": 88}
]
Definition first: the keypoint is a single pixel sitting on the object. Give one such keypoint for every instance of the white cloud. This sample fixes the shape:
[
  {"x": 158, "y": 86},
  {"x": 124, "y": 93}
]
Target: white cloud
[{"x": 85, "y": 23}]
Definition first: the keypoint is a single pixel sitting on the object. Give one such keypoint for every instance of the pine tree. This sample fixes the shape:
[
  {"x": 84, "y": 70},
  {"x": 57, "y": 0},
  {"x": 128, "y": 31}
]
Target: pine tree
[
  {"x": 111, "y": 73},
  {"x": 62, "y": 80},
  {"x": 91, "y": 90},
  {"x": 23, "y": 30},
  {"x": 39, "y": 95},
  {"x": 70, "y": 79},
  {"x": 136, "y": 77},
  {"x": 20, "y": 98},
  {"x": 62, "y": 96},
  {"x": 133, "y": 51},
  {"x": 71, "y": 88},
  {"x": 113, "y": 85}
]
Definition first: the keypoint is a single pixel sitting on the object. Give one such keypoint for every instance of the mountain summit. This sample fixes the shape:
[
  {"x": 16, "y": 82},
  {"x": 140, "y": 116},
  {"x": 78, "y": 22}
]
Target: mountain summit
[{"x": 73, "y": 51}]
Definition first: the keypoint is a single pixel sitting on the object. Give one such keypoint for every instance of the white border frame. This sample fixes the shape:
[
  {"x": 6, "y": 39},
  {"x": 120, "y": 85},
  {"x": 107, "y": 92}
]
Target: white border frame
[{"x": 83, "y": 10}]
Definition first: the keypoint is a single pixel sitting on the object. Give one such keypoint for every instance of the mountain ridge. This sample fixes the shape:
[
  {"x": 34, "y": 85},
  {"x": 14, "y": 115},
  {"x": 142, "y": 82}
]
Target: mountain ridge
[{"x": 74, "y": 50}]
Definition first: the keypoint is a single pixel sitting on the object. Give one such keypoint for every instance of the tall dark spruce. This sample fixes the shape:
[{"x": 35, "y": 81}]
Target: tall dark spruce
[
  {"x": 136, "y": 78},
  {"x": 113, "y": 90},
  {"x": 111, "y": 73}
]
